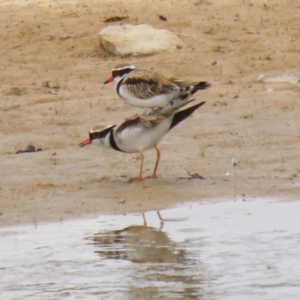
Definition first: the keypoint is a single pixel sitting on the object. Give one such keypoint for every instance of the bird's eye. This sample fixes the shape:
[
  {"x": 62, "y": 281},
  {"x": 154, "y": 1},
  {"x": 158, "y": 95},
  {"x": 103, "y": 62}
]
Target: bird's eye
[
  {"x": 94, "y": 135},
  {"x": 115, "y": 73}
]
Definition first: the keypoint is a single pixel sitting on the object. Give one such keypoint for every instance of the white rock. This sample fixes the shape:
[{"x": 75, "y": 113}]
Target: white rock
[
  {"x": 235, "y": 162},
  {"x": 292, "y": 78},
  {"x": 137, "y": 40}
]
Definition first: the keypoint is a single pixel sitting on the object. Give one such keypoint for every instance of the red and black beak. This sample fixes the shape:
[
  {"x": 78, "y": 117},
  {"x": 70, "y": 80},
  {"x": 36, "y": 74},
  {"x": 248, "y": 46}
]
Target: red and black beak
[
  {"x": 85, "y": 142},
  {"x": 110, "y": 79}
]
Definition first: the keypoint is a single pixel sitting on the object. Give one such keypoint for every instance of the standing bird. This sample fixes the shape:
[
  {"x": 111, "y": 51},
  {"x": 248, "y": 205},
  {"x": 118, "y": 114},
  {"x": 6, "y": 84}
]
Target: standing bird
[
  {"x": 150, "y": 89},
  {"x": 139, "y": 133}
]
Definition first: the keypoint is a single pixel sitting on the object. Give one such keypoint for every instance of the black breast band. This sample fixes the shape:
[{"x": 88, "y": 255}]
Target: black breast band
[
  {"x": 119, "y": 85},
  {"x": 113, "y": 142}
]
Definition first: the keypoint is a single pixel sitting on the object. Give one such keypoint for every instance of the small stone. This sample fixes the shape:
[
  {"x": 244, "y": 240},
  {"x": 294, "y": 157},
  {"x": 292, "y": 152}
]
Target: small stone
[
  {"x": 115, "y": 19},
  {"x": 163, "y": 18},
  {"x": 121, "y": 202},
  {"x": 46, "y": 84},
  {"x": 20, "y": 151},
  {"x": 65, "y": 37},
  {"x": 39, "y": 149},
  {"x": 30, "y": 148},
  {"x": 53, "y": 92},
  {"x": 215, "y": 63},
  {"x": 235, "y": 162},
  {"x": 50, "y": 38},
  {"x": 196, "y": 176}
]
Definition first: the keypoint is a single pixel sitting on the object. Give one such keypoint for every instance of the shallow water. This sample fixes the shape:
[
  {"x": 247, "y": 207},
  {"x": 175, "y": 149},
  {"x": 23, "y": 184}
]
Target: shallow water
[{"x": 226, "y": 250}]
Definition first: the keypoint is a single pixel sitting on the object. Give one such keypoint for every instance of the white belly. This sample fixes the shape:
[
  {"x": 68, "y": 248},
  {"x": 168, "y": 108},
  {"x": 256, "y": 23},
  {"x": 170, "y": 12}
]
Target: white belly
[
  {"x": 136, "y": 139},
  {"x": 160, "y": 100}
]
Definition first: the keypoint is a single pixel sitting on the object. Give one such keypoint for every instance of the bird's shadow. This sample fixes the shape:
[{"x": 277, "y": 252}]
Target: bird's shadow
[{"x": 133, "y": 180}]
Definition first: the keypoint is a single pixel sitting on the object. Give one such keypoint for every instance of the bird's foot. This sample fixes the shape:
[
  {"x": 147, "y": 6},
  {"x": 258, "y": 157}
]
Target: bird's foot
[
  {"x": 134, "y": 179},
  {"x": 151, "y": 176}
]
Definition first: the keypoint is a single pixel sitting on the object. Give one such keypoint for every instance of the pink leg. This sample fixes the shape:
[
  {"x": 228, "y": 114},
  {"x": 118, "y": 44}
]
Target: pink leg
[
  {"x": 156, "y": 164},
  {"x": 140, "y": 178}
]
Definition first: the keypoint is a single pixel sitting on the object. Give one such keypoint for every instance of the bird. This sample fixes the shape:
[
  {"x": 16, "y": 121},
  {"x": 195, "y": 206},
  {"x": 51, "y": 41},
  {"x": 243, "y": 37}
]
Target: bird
[
  {"x": 149, "y": 89},
  {"x": 139, "y": 133}
]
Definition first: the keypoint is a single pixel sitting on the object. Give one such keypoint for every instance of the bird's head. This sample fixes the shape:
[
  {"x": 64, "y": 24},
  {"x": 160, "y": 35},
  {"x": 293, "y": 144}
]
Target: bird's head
[
  {"x": 97, "y": 136},
  {"x": 119, "y": 72}
]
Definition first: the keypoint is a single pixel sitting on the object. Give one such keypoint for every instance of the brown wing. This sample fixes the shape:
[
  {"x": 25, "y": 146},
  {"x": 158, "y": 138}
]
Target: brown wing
[
  {"x": 147, "y": 121},
  {"x": 147, "y": 84},
  {"x": 183, "y": 83}
]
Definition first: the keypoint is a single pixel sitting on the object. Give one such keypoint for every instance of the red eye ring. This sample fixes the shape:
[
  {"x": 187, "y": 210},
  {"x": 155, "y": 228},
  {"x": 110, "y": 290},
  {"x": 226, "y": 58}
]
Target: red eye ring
[
  {"x": 115, "y": 73},
  {"x": 94, "y": 135}
]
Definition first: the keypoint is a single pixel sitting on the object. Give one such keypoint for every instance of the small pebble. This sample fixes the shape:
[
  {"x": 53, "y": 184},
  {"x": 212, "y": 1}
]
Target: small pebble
[
  {"x": 46, "y": 83},
  {"x": 235, "y": 162},
  {"x": 215, "y": 63},
  {"x": 30, "y": 148},
  {"x": 65, "y": 37},
  {"x": 53, "y": 92},
  {"x": 196, "y": 176}
]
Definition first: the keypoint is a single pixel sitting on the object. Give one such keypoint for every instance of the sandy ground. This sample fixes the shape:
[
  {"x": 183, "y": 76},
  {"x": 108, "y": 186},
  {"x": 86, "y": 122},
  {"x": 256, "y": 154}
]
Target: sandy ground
[{"x": 256, "y": 124}]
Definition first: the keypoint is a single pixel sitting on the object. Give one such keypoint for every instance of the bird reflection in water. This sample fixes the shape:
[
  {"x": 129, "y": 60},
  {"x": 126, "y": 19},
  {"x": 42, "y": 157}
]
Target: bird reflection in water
[
  {"x": 139, "y": 243},
  {"x": 163, "y": 269}
]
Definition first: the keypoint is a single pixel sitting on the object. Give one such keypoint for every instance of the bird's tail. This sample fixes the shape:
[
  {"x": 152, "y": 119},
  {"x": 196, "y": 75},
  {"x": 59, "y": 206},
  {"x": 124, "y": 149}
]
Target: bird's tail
[
  {"x": 173, "y": 110},
  {"x": 183, "y": 114},
  {"x": 186, "y": 93},
  {"x": 203, "y": 85}
]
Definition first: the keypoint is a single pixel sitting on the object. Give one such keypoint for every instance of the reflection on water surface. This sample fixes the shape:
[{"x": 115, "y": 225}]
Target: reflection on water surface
[{"x": 227, "y": 250}]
